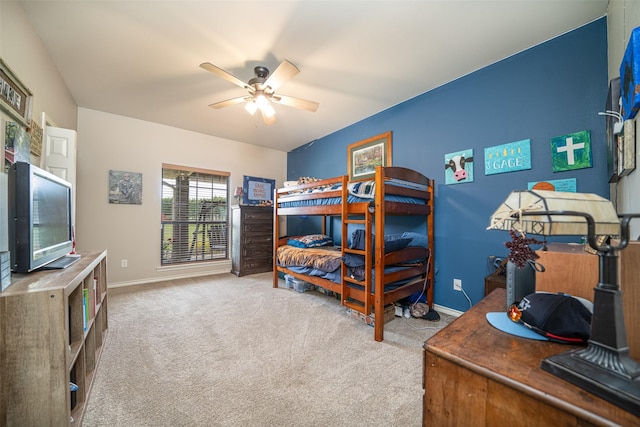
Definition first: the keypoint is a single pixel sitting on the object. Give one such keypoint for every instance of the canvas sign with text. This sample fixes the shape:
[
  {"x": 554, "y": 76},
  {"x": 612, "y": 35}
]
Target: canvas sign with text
[{"x": 510, "y": 157}]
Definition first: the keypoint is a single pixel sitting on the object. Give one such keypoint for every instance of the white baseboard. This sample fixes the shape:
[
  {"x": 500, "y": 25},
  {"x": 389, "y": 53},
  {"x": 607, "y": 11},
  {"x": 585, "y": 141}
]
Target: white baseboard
[
  {"x": 225, "y": 269},
  {"x": 446, "y": 310}
]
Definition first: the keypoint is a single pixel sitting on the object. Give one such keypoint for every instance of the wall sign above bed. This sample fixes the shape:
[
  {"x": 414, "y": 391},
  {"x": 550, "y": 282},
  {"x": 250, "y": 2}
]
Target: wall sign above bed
[
  {"x": 258, "y": 191},
  {"x": 365, "y": 155}
]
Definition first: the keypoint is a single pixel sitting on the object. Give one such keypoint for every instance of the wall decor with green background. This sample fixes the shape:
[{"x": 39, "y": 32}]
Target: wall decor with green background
[{"x": 571, "y": 151}]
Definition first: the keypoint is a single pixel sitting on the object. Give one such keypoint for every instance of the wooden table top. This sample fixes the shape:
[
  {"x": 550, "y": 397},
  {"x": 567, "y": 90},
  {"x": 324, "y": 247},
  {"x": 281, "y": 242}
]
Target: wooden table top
[{"x": 470, "y": 341}]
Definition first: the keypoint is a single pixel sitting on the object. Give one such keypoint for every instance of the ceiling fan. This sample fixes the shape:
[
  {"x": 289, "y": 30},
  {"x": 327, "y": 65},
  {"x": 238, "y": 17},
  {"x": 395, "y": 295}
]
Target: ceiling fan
[{"x": 262, "y": 90}]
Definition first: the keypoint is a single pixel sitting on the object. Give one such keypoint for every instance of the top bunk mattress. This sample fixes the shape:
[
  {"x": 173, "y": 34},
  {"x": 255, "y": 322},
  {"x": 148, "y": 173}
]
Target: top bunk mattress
[{"x": 358, "y": 192}]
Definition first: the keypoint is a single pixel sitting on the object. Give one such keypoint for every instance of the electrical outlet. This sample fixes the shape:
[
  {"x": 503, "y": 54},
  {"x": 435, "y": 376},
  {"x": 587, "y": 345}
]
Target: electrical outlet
[
  {"x": 124, "y": 263},
  {"x": 457, "y": 285}
]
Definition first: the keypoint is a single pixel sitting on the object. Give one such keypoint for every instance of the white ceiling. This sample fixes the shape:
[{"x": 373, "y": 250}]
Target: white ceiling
[{"x": 356, "y": 58}]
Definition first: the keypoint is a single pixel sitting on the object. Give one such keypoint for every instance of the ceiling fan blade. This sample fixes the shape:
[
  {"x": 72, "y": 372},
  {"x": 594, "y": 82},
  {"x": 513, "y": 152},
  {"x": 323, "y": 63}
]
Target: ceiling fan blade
[
  {"x": 285, "y": 71},
  {"x": 225, "y": 75},
  {"x": 229, "y": 102},
  {"x": 302, "y": 104},
  {"x": 268, "y": 120}
]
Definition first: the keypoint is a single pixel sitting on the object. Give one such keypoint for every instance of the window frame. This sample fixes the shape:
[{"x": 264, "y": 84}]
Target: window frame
[{"x": 197, "y": 230}]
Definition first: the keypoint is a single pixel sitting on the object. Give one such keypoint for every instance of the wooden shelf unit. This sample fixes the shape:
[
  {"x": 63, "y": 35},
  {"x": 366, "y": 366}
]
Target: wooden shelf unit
[{"x": 44, "y": 344}]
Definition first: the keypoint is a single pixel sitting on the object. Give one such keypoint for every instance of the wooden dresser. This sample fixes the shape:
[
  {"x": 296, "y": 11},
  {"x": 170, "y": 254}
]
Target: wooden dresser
[
  {"x": 477, "y": 375},
  {"x": 251, "y": 239}
]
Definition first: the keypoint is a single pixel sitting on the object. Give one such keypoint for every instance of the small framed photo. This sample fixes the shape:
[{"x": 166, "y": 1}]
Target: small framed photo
[
  {"x": 15, "y": 97},
  {"x": 365, "y": 155},
  {"x": 125, "y": 188}
]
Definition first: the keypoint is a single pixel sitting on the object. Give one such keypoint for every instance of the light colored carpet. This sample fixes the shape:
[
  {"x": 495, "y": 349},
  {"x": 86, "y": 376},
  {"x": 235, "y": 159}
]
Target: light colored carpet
[{"x": 228, "y": 351}]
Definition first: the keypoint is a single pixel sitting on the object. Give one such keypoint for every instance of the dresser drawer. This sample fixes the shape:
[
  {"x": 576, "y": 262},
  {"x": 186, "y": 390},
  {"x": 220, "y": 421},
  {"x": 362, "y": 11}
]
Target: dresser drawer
[
  {"x": 254, "y": 228},
  {"x": 262, "y": 215},
  {"x": 265, "y": 240},
  {"x": 250, "y": 266},
  {"x": 258, "y": 251}
]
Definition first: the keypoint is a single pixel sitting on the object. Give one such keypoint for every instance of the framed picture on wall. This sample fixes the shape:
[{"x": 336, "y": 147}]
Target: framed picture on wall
[
  {"x": 612, "y": 116},
  {"x": 257, "y": 191},
  {"x": 15, "y": 98},
  {"x": 458, "y": 167},
  {"x": 125, "y": 188},
  {"x": 365, "y": 155}
]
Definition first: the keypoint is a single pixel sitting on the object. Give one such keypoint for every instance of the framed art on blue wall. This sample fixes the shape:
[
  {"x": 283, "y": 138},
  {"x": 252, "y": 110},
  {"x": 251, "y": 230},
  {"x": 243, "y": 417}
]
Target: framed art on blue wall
[
  {"x": 365, "y": 155},
  {"x": 514, "y": 156},
  {"x": 458, "y": 167},
  {"x": 257, "y": 191},
  {"x": 571, "y": 151},
  {"x": 567, "y": 185}
]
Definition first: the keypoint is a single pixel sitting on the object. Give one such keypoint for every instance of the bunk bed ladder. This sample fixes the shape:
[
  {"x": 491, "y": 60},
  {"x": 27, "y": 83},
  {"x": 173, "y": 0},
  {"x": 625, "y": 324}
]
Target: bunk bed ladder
[{"x": 347, "y": 298}]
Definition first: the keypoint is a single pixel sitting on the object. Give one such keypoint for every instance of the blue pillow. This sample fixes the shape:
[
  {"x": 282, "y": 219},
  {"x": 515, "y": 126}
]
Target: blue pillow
[
  {"x": 353, "y": 260},
  {"x": 417, "y": 239},
  {"x": 311, "y": 241},
  {"x": 392, "y": 242},
  {"x": 395, "y": 242}
]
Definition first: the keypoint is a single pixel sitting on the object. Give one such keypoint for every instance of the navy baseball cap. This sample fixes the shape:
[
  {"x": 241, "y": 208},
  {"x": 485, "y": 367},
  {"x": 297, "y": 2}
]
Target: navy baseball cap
[{"x": 546, "y": 316}]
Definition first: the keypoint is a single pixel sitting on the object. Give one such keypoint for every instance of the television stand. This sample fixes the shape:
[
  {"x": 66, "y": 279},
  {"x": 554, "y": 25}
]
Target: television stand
[
  {"x": 62, "y": 263},
  {"x": 53, "y": 329}
]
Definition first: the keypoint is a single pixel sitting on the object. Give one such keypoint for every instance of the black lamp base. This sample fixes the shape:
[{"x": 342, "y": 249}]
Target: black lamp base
[{"x": 620, "y": 390}]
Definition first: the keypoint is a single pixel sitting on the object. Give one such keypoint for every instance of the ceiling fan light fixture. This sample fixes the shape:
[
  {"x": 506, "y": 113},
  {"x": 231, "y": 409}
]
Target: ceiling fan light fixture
[
  {"x": 261, "y": 100},
  {"x": 262, "y": 90},
  {"x": 268, "y": 110},
  {"x": 251, "y": 107}
]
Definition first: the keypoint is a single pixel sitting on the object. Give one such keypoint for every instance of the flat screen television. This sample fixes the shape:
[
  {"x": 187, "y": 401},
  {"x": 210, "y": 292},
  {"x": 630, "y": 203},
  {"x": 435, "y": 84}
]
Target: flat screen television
[{"x": 40, "y": 227}]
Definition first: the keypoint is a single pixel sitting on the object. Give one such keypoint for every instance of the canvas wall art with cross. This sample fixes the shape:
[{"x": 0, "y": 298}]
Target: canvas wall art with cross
[{"x": 572, "y": 151}]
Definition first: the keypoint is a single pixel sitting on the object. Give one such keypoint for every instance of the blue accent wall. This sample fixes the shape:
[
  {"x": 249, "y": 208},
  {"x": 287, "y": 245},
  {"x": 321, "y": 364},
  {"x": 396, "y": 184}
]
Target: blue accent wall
[{"x": 552, "y": 89}]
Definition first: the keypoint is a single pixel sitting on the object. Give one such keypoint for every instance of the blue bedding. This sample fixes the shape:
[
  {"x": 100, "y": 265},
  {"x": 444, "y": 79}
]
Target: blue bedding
[
  {"x": 359, "y": 192},
  {"x": 335, "y": 276}
]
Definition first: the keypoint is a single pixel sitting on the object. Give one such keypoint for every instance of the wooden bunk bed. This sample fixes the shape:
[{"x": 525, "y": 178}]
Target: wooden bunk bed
[{"x": 388, "y": 276}]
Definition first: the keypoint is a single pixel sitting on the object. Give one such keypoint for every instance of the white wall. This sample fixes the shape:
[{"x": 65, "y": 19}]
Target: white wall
[
  {"x": 22, "y": 51},
  {"x": 107, "y": 141},
  {"x": 132, "y": 232},
  {"x": 622, "y": 17}
]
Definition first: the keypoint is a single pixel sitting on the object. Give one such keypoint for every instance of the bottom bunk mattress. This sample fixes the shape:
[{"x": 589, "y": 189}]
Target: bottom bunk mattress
[{"x": 326, "y": 261}]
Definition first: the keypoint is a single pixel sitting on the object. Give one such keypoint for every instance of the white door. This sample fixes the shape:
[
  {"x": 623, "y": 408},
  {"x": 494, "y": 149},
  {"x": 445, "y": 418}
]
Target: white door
[{"x": 59, "y": 157}]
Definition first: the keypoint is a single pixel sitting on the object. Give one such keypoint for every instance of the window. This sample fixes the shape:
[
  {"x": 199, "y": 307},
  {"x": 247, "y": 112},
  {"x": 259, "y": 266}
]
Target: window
[{"x": 195, "y": 215}]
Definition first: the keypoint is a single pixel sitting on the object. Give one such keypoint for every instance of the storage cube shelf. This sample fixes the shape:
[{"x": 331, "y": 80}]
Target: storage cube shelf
[{"x": 53, "y": 329}]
